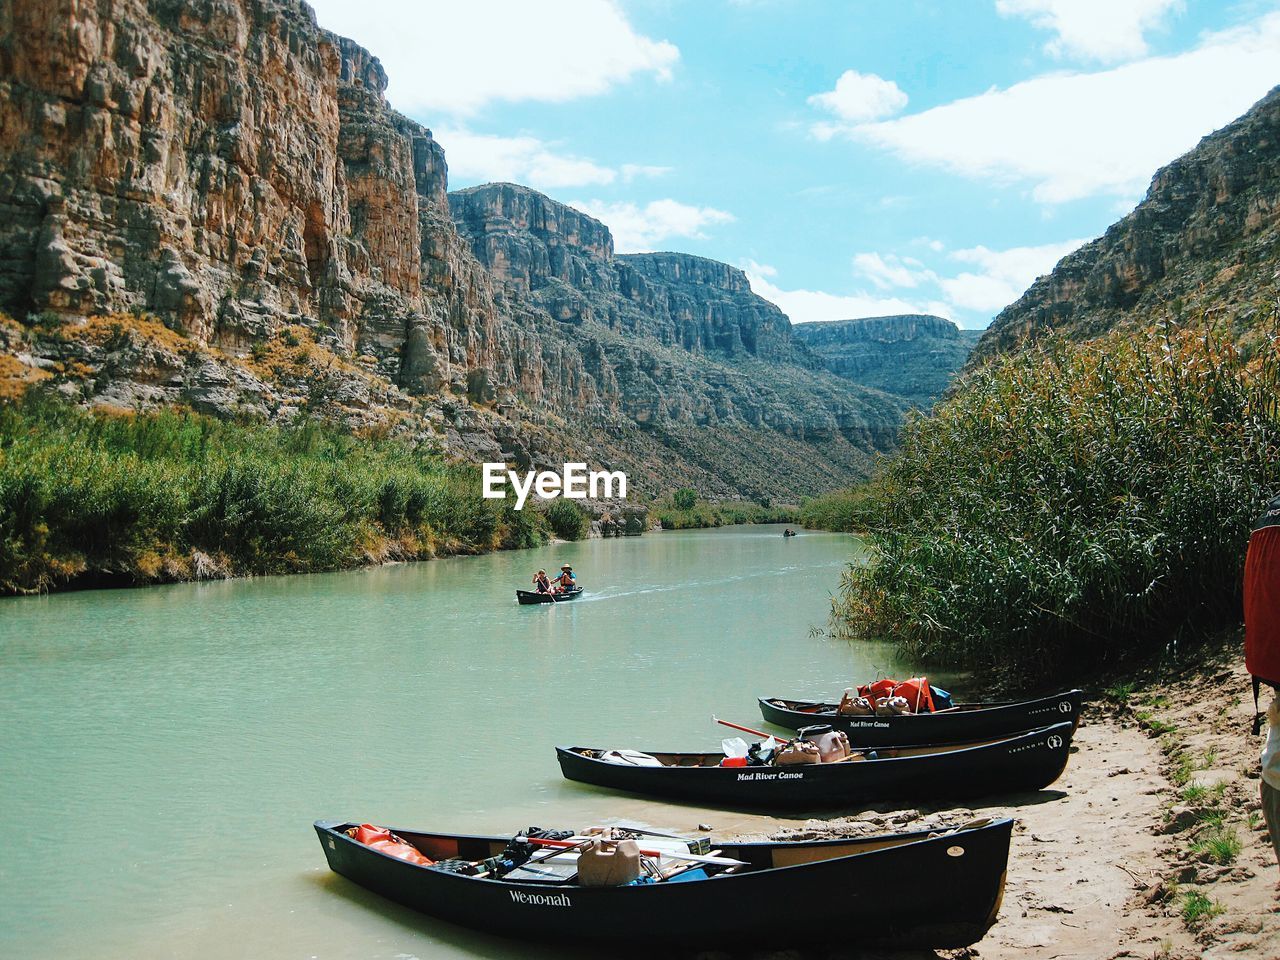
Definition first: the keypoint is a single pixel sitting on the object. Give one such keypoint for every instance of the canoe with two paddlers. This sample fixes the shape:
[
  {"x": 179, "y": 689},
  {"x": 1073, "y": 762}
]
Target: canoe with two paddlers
[
  {"x": 1016, "y": 764},
  {"x": 921, "y": 890},
  {"x": 526, "y": 597},
  {"x": 966, "y": 721}
]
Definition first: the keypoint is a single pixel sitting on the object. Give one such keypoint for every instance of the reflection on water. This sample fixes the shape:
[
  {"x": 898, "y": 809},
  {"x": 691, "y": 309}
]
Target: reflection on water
[{"x": 164, "y": 751}]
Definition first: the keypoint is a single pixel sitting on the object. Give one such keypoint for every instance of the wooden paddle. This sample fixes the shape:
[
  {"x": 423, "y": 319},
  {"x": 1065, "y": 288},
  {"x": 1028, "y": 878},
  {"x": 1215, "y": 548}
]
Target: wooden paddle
[{"x": 754, "y": 733}]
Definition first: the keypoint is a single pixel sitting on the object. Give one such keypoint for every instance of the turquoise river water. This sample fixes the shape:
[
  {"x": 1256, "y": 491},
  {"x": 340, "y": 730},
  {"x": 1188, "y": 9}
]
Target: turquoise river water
[{"x": 164, "y": 751}]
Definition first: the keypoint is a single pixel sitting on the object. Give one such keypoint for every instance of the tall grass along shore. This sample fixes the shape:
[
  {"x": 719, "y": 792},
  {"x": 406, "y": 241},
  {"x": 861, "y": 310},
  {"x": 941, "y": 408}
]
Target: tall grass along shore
[
  {"x": 684, "y": 510},
  {"x": 1071, "y": 505},
  {"x": 173, "y": 495}
]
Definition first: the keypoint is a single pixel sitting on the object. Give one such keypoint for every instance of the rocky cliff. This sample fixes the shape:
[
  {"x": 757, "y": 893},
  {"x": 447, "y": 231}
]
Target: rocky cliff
[
  {"x": 211, "y": 202},
  {"x": 913, "y": 356},
  {"x": 232, "y": 168},
  {"x": 677, "y": 345},
  {"x": 1207, "y": 235},
  {"x": 562, "y": 260}
]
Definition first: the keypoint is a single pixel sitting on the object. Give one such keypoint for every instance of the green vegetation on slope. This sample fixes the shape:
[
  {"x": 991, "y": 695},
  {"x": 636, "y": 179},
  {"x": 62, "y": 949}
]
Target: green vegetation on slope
[
  {"x": 684, "y": 511},
  {"x": 1072, "y": 504},
  {"x": 176, "y": 495}
]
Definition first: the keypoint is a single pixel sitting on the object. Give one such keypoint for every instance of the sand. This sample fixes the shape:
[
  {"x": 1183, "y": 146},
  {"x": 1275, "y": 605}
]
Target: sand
[{"x": 1102, "y": 863}]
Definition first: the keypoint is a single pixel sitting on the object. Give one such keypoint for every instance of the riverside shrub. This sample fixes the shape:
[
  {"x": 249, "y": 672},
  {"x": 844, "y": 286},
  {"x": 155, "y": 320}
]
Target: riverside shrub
[
  {"x": 1072, "y": 504},
  {"x": 171, "y": 494},
  {"x": 567, "y": 520},
  {"x": 703, "y": 514},
  {"x": 838, "y": 510}
]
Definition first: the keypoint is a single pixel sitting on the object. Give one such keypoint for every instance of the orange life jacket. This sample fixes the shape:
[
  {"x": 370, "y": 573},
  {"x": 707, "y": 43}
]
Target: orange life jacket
[
  {"x": 874, "y": 691},
  {"x": 917, "y": 693}
]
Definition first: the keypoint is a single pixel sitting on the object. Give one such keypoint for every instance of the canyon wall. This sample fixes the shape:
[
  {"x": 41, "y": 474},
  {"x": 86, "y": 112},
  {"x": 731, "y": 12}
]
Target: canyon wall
[
  {"x": 226, "y": 182},
  {"x": 913, "y": 356}
]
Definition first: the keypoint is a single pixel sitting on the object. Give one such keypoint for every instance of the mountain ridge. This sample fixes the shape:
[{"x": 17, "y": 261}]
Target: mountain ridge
[{"x": 1205, "y": 236}]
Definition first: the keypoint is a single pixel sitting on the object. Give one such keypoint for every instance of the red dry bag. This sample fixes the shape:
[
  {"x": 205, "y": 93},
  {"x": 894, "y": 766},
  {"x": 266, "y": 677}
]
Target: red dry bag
[
  {"x": 1262, "y": 604},
  {"x": 384, "y": 841}
]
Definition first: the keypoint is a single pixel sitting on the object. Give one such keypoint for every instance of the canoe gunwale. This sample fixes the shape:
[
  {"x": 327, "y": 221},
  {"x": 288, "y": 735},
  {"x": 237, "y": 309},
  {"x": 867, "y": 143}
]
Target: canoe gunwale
[
  {"x": 336, "y": 828},
  {"x": 530, "y": 598},
  {"x": 967, "y": 722},
  {"x": 708, "y": 913},
  {"x": 1020, "y": 763}
]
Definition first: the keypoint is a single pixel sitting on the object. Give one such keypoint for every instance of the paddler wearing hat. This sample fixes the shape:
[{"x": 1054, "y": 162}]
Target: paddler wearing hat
[{"x": 567, "y": 579}]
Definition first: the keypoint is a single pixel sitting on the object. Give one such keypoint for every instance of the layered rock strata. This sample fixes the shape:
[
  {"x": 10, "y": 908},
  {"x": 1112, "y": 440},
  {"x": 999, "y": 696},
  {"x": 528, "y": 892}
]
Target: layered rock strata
[{"x": 913, "y": 356}]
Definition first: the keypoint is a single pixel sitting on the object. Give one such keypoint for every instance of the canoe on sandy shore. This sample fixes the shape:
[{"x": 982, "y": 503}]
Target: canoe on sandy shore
[
  {"x": 923, "y": 890},
  {"x": 1023, "y": 762},
  {"x": 967, "y": 721}
]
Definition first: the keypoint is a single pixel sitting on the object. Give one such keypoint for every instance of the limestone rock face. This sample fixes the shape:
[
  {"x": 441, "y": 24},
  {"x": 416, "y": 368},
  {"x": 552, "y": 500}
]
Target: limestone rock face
[
  {"x": 528, "y": 241},
  {"x": 913, "y": 356},
  {"x": 706, "y": 306},
  {"x": 671, "y": 340},
  {"x": 224, "y": 163},
  {"x": 200, "y": 198},
  {"x": 1207, "y": 233},
  {"x": 561, "y": 260}
]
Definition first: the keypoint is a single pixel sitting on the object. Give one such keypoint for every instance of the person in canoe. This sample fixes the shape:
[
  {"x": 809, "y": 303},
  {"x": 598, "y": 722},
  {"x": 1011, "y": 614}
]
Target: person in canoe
[
  {"x": 567, "y": 579},
  {"x": 541, "y": 583}
]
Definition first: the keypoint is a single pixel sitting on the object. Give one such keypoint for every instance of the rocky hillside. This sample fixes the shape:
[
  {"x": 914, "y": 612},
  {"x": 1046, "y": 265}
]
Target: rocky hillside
[
  {"x": 212, "y": 203},
  {"x": 1207, "y": 235},
  {"x": 913, "y": 356},
  {"x": 675, "y": 345}
]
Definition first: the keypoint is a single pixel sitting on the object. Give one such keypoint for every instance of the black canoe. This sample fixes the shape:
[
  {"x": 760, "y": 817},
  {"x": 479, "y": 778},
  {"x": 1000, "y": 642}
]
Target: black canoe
[
  {"x": 914, "y": 890},
  {"x": 969, "y": 721},
  {"x": 528, "y": 596},
  {"x": 1027, "y": 761}
]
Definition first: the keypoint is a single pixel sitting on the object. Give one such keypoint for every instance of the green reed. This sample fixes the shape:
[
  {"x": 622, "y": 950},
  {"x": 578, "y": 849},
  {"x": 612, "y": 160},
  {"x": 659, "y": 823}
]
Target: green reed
[{"x": 1070, "y": 505}]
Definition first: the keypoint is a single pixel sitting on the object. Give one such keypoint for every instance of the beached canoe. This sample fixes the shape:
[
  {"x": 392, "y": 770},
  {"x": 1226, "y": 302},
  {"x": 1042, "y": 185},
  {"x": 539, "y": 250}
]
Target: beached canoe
[
  {"x": 528, "y": 596},
  {"x": 1020, "y": 763},
  {"x": 968, "y": 721},
  {"x": 915, "y": 890}
]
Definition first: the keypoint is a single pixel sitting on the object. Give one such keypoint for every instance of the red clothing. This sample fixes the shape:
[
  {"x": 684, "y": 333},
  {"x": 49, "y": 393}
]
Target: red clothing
[{"x": 1262, "y": 597}]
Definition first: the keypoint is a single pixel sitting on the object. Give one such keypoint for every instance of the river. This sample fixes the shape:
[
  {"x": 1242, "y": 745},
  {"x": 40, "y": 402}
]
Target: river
[{"x": 163, "y": 751}]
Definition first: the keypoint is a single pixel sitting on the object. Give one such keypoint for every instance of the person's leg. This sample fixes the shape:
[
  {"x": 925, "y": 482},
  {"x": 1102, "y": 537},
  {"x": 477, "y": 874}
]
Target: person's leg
[{"x": 1271, "y": 811}]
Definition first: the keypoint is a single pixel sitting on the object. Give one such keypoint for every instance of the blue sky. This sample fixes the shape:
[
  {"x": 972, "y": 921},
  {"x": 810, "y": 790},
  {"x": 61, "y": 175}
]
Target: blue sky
[{"x": 855, "y": 158}]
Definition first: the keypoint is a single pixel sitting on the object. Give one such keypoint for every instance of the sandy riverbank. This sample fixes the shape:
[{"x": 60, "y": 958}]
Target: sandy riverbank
[{"x": 1105, "y": 862}]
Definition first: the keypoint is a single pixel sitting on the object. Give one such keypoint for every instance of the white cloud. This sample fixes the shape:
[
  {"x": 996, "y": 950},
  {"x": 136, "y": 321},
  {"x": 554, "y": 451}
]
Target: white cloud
[
  {"x": 638, "y": 229},
  {"x": 805, "y": 306},
  {"x": 889, "y": 270},
  {"x": 453, "y": 58},
  {"x": 750, "y": 267},
  {"x": 528, "y": 160},
  {"x": 971, "y": 296},
  {"x": 1086, "y": 134},
  {"x": 1002, "y": 275},
  {"x": 1104, "y": 30},
  {"x": 857, "y": 97}
]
